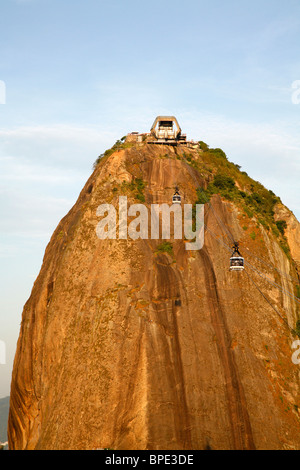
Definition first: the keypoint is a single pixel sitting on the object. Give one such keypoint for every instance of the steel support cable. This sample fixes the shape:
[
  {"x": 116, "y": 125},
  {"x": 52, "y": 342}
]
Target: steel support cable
[
  {"x": 218, "y": 239},
  {"x": 273, "y": 283},
  {"x": 270, "y": 303},
  {"x": 284, "y": 291},
  {"x": 251, "y": 254},
  {"x": 217, "y": 218},
  {"x": 221, "y": 223},
  {"x": 278, "y": 313},
  {"x": 256, "y": 270},
  {"x": 273, "y": 267}
]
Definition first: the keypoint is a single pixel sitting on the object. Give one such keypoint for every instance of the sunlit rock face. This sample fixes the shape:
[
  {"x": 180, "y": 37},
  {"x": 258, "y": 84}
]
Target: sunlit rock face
[{"x": 126, "y": 346}]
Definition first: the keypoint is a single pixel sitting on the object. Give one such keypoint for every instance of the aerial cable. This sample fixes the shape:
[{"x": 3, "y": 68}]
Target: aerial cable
[
  {"x": 217, "y": 218},
  {"x": 274, "y": 308},
  {"x": 256, "y": 270},
  {"x": 246, "y": 262},
  {"x": 218, "y": 239},
  {"x": 273, "y": 283},
  {"x": 293, "y": 279},
  {"x": 221, "y": 224},
  {"x": 251, "y": 254}
]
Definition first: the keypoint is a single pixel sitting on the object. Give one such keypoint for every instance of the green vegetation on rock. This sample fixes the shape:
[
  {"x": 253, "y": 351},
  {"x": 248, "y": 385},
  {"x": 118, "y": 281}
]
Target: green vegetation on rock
[
  {"x": 281, "y": 225},
  {"x": 165, "y": 247},
  {"x": 119, "y": 145},
  {"x": 297, "y": 329},
  {"x": 227, "y": 180},
  {"x": 137, "y": 186}
]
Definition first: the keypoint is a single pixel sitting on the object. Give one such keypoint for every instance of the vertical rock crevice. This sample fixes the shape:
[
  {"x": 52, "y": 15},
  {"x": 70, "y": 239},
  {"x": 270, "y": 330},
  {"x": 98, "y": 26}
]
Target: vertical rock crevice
[
  {"x": 241, "y": 430},
  {"x": 121, "y": 346}
]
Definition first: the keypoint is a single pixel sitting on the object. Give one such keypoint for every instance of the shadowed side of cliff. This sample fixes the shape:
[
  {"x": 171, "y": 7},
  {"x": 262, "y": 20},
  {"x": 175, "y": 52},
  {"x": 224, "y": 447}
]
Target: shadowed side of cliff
[{"x": 143, "y": 344}]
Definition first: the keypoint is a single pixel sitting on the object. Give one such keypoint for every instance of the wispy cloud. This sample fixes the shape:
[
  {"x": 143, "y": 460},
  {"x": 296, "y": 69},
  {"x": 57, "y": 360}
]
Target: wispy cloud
[
  {"x": 58, "y": 146},
  {"x": 32, "y": 214},
  {"x": 25, "y": 1},
  {"x": 62, "y": 155},
  {"x": 269, "y": 152}
]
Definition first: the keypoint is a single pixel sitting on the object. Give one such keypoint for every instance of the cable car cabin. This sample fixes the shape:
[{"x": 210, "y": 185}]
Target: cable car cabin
[
  {"x": 236, "y": 260},
  {"x": 236, "y": 263},
  {"x": 176, "y": 199}
]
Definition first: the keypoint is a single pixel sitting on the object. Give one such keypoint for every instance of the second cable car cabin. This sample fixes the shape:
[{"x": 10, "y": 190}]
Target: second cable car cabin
[
  {"x": 236, "y": 260},
  {"x": 176, "y": 199}
]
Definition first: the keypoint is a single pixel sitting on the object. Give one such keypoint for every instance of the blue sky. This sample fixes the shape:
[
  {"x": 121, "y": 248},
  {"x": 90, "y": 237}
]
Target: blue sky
[{"x": 81, "y": 74}]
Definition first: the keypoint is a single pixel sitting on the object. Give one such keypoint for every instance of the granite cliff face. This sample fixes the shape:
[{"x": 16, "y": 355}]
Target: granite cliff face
[{"x": 125, "y": 346}]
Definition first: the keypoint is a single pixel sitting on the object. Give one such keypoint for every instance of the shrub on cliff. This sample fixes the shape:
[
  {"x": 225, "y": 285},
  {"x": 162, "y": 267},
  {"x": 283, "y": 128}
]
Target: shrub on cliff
[
  {"x": 281, "y": 225},
  {"x": 223, "y": 182},
  {"x": 165, "y": 247}
]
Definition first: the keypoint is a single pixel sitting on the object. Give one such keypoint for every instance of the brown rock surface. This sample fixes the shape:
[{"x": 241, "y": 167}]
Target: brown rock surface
[
  {"x": 123, "y": 347},
  {"x": 292, "y": 232}
]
